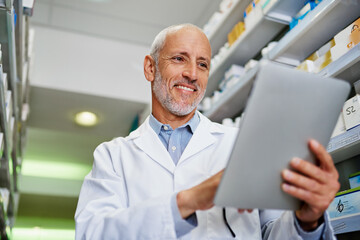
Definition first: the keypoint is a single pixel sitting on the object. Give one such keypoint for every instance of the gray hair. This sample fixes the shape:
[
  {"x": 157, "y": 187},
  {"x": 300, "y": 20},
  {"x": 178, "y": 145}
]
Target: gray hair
[{"x": 159, "y": 40}]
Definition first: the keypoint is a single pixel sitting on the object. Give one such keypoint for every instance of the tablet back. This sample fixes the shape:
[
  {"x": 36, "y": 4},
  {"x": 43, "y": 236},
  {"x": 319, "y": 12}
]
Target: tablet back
[{"x": 286, "y": 108}]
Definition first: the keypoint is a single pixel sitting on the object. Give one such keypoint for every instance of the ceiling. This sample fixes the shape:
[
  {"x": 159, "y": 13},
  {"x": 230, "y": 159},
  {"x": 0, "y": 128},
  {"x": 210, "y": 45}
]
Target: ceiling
[{"x": 88, "y": 56}]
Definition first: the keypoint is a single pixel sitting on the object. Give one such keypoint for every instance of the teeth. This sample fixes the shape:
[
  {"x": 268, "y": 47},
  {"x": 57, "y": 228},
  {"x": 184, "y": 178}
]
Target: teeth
[{"x": 185, "y": 88}]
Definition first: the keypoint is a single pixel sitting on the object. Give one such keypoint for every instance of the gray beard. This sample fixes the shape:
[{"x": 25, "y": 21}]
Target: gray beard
[{"x": 168, "y": 102}]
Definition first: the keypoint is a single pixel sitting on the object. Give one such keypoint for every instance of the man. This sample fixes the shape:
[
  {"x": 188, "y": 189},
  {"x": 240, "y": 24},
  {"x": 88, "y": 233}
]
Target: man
[{"x": 160, "y": 181}]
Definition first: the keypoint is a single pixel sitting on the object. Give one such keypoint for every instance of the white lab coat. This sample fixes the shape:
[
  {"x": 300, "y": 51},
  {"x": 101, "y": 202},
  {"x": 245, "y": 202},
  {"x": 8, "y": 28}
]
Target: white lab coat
[{"x": 127, "y": 194}]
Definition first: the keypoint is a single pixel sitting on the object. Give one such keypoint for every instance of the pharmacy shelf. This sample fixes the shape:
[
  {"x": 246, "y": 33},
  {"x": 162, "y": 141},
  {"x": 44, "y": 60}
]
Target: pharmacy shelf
[
  {"x": 345, "y": 145},
  {"x": 245, "y": 48},
  {"x": 317, "y": 28},
  {"x": 345, "y": 224},
  {"x": 218, "y": 37},
  {"x": 283, "y": 10},
  {"x": 347, "y": 67},
  {"x": 7, "y": 41},
  {"x": 6, "y": 137},
  {"x": 233, "y": 100}
]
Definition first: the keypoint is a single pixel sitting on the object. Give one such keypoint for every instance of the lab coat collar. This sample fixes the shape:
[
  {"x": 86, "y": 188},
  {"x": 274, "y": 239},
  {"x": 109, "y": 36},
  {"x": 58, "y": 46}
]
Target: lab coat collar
[
  {"x": 202, "y": 138},
  {"x": 147, "y": 140}
]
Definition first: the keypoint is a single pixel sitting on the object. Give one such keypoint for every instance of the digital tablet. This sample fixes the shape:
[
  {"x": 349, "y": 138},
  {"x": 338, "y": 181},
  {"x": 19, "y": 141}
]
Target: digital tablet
[{"x": 285, "y": 109}]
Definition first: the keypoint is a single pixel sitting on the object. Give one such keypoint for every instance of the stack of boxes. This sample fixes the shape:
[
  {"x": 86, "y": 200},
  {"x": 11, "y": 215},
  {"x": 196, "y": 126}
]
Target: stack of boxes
[{"x": 333, "y": 50}]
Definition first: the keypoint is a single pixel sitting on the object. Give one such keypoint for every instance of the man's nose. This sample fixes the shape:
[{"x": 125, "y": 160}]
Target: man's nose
[{"x": 191, "y": 72}]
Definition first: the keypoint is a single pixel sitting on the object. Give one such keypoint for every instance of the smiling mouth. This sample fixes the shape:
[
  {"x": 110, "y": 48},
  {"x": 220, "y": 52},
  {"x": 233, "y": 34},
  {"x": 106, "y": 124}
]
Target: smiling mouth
[{"x": 185, "y": 88}]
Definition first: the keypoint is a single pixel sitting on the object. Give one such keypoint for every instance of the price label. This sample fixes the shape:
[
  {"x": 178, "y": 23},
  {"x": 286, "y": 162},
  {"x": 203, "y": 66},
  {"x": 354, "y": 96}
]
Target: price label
[{"x": 351, "y": 112}]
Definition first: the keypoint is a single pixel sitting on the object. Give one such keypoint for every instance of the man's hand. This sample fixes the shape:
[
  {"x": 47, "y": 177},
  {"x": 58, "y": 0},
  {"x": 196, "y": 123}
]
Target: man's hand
[
  {"x": 200, "y": 197},
  {"x": 315, "y": 185}
]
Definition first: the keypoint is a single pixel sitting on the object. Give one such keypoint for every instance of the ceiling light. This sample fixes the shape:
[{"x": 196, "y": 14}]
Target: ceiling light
[{"x": 86, "y": 119}]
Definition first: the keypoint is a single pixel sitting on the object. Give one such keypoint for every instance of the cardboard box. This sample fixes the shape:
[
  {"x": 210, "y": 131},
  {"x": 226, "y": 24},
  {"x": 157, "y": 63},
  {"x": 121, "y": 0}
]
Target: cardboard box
[
  {"x": 351, "y": 112},
  {"x": 345, "y": 203}
]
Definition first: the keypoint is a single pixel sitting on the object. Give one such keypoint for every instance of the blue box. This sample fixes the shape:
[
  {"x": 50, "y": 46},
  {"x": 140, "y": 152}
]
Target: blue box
[{"x": 354, "y": 180}]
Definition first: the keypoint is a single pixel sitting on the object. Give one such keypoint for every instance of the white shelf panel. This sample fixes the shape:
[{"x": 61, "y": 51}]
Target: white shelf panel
[
  {"x": 218, "y": 36},
  {"x": 245, "y": 48},
  {"x": 317, "y": 28},
  {"x": 346, "y": 224},
  {"x": 284, "y": 10},
  {"x": 345, "y": 145},
  {"x": 233, "y": 100},
  {"x": 347, "y": 67}
]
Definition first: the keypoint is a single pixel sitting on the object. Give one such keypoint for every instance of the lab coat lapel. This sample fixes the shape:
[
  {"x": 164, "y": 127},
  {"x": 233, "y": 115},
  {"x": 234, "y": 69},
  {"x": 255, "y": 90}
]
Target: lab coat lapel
[
  {"x": 149, "y": 142},
  {"x": 202, "y": 138}
]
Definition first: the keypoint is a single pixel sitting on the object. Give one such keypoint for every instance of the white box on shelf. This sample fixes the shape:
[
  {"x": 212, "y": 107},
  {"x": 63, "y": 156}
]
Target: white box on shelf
[
  {"x": 339, "y": 127},
  {"x": 344, "y": 211},
  {"x": 307, "y": 66},
  {"x": 345, "y": 203},
  {"x": 234, "y": 70},
  {"x": 346, "y": 39},
  {"x": 351, "y": 112},
  {"x": 252, "y": 15}
]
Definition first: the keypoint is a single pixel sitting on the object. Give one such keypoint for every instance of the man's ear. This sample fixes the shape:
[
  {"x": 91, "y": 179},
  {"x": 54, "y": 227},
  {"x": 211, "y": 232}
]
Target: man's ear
[{"x": 149, "y": 68}]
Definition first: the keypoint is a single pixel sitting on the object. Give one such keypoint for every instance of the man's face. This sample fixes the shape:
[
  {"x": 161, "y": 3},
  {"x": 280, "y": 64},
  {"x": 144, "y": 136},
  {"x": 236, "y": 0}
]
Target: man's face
[{"x": 183, "y": 71}]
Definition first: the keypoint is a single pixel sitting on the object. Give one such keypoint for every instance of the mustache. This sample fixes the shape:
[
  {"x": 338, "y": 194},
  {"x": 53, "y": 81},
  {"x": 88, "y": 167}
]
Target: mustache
[{"x": 186, "y": 82}]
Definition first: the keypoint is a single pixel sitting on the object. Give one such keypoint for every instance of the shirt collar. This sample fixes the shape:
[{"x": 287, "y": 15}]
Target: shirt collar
[{"x": 192, "y": 123}]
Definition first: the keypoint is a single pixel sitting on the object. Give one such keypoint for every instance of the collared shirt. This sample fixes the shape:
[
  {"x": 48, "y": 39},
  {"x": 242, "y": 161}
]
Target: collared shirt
[{"x": 175, "y": 141}]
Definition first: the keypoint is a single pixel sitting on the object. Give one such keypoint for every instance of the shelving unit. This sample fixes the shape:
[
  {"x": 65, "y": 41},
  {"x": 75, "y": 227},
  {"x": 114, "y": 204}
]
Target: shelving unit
[
  {"x": 317, "y": 28},
  {"x": 345, "y": 146},
  {"x": 218, "y": 36},
  {"x": 249, "y": 44},
  {"x": 347, "y": 67},
  {"x": 15, "y": 63},
  {"x": 236, "y": 96},
  {"x": 245, "y": 48}
]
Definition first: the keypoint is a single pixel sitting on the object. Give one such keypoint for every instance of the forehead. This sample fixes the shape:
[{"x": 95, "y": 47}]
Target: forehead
[{"x": 189, "y": 40}]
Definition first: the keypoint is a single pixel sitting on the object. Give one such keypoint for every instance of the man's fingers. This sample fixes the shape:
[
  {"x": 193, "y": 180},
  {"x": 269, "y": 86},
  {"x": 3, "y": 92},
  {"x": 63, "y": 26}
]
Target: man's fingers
[
  {"x": 314, "y": 200},
  {"x": 322, "y": 155},
  {"x": 309, "y": 169},
  {"x": 304, "y": 182}
]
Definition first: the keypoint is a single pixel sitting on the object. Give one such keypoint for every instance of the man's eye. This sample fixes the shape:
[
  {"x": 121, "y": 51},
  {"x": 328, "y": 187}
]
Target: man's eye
[
  {"x": 178, "y": 58},
  {"x": 204, "y": 65}
]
